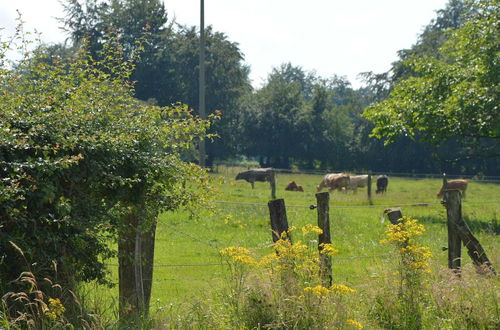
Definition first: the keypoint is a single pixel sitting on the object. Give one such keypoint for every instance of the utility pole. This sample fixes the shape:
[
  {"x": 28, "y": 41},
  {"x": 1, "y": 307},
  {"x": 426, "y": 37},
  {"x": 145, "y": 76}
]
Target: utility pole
[{"x": 202, "y": 78}]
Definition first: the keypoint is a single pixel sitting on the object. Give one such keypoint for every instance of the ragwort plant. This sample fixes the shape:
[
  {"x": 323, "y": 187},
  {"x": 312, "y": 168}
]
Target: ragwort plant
[
  {"x": 404, "y": 309},
  {"x": 284, "y": 289}
]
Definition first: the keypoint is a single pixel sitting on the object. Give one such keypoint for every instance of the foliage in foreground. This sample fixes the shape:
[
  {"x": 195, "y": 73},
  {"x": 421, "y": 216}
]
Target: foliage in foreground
[{"x": 78, "y": 155}]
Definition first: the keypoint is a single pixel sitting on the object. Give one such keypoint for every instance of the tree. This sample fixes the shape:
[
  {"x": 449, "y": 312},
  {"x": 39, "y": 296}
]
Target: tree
[
  {"x": 82, "y": 161},
  {"x": 167, "y": 72},
  {"x": 272, "y": 124},
  {"x": 454, "y": 94}
]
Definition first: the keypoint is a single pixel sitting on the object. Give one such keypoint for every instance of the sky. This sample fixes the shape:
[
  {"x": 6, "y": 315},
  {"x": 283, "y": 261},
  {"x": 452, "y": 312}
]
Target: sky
[{"x": 330, "y": 37}]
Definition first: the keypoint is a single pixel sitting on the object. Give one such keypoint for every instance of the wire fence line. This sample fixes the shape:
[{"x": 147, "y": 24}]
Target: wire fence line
[
  {"x": 194, "y": 238},
  {"x": 387, "y": 255},
  {"x": 356, "y": 206}
]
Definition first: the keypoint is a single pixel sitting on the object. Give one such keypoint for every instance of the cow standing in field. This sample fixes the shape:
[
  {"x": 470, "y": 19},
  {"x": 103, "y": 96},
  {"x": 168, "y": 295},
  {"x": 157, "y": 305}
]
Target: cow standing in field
[
  {"x": 459, "y": 184},
  {"x": 258, "y": 174},
  {"x": 357, "y": 181},
  {"x": 293, "y": 186},
  {"x": 382, "y": 183},
  {"x": 334, "y": 181}
]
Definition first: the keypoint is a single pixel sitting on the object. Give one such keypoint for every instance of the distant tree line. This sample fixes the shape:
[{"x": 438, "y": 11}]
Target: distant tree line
[{"x": 297, "y": 117}]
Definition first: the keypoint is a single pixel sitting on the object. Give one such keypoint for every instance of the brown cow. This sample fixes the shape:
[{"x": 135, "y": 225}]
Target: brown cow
[
  {"x": 293, "y": 186},
  {"x": 458, "y": 184},
  {"x": 334, "y": 181}
]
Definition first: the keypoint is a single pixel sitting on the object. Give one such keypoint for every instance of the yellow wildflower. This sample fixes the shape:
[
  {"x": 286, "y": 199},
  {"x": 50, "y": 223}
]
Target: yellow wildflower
[
  {"x": 328, "y": 249},
  {"x": 354, "y": 323},
  {"x": 311, "y": 229},
  {"x": 317, "y": 290},
  {"x": 341, "y": 289},
  {"x": 267, "y": 260},
  {"x": 239, "y": 254}
]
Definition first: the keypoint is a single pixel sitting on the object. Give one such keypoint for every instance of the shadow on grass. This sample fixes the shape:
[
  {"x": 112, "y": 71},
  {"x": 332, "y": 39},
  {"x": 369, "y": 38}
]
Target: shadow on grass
[{"x": 490, "y": 226}]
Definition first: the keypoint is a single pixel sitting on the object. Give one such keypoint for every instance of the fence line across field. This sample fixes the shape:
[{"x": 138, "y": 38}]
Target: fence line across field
[
  {"x": 387, "y": 255},
  {"x": 356, "y": 206}
]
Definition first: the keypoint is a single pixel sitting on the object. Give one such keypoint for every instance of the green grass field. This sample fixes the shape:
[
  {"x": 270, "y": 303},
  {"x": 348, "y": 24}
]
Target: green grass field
[{"x": 188, "y": 264}]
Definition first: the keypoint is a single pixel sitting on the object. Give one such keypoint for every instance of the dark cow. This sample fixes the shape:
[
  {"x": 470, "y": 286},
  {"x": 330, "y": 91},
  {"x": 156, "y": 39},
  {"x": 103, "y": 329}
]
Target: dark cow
[
  {"x": 293, "y": 186},
  {"x": 382, "y": 183},
  {"x": 459, "y": 184},
  {"x": 258, "y": 174}
]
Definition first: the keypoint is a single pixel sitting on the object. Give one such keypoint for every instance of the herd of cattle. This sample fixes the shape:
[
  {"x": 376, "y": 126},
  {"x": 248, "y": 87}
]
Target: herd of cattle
[{"x": 340, "y": 182}]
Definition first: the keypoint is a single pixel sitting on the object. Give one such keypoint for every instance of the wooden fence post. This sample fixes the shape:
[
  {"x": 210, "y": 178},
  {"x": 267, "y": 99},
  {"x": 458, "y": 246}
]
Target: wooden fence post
[
  {"x": 323, "y": 200},
  {"x": 148, "y": 251},
  {"x": 458, "y": 232},
  {"x": 369, "y": 188},
  {"x": 394, "y": 215},
  {"x": 279, "y": 222},
  {"x": 453, "y": 206},
  {"x": 128, "y": 298},
  {"x": 273, "y": 184}
]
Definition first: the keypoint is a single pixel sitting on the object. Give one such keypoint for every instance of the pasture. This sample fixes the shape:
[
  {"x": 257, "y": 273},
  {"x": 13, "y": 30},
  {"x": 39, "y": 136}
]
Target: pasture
[{"x": 188, "y": 265}]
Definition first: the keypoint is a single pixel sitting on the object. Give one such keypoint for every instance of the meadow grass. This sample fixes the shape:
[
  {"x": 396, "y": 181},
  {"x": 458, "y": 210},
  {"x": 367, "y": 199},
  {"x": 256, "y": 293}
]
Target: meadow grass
[{"x": 188, "y": 265}]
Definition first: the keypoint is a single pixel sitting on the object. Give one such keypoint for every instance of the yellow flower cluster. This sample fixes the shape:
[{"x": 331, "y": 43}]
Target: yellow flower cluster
[
  {"x": 338, "y": 289},
  {"x": 286, "y": 249},
  {"x": 341, "y": 289},
  {"x": 311, "y": 229},
  {"x": 404, "y": 231},
  {"x": 327, "y": 249},
  {"x": 317, "y": 290},
  {"x": 240, "y": 255},
  {"x": 354, "y": 323},
  {"x": 402, "y": 234},
  {"x": 298, "y": 256},
  {"x": 55, "y": 309}
]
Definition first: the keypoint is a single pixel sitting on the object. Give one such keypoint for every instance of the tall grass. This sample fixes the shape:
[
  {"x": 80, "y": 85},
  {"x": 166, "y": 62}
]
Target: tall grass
[{"x": 190, "y": 277}]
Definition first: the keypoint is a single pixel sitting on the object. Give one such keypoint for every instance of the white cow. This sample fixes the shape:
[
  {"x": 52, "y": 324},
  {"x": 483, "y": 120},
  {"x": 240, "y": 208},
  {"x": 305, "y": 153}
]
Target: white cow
[{"x": 357, "y": 181}]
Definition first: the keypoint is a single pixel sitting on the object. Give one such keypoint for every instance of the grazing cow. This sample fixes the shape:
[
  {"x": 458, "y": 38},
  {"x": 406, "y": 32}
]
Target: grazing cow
[
  {"x": 459, "y": 184},
  {"x": 293, "y": 186},
  {"x": 357, "y": 181},
  {"x": 382, "y": 183},
  {"x": 258, "y": 174},
  {"x": 334, "y": 181}
]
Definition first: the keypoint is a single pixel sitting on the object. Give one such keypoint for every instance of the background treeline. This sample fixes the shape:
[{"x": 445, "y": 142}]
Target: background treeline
[{"x": 296, "y": 118}]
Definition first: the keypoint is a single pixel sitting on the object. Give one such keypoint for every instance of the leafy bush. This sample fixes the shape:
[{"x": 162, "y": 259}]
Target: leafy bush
[{"x": 78, "y": 154}]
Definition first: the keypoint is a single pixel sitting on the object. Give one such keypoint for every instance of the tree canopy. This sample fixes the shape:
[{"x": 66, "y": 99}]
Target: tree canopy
[{"x": 453, "y": 94}]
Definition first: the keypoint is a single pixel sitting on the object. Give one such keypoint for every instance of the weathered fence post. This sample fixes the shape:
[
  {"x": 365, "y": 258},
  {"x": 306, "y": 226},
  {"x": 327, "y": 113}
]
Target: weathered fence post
[
  {"x": 279, "y": 222},
  {"x": 128, "y": 297},
  {"x": 139, "y": 288},
  {"x": 394, "y": 215},
  {"x": 369, "y": 188},
  {"x": 323, "y": 200},
  {"x": 453, "y": 206},
  {"x": 273, "y": 184},
  {"x": 458, "y": 232}
]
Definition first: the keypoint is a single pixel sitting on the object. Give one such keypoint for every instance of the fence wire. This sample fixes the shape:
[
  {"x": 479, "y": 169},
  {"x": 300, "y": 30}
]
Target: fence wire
[{"x": 357, "y": 206}]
